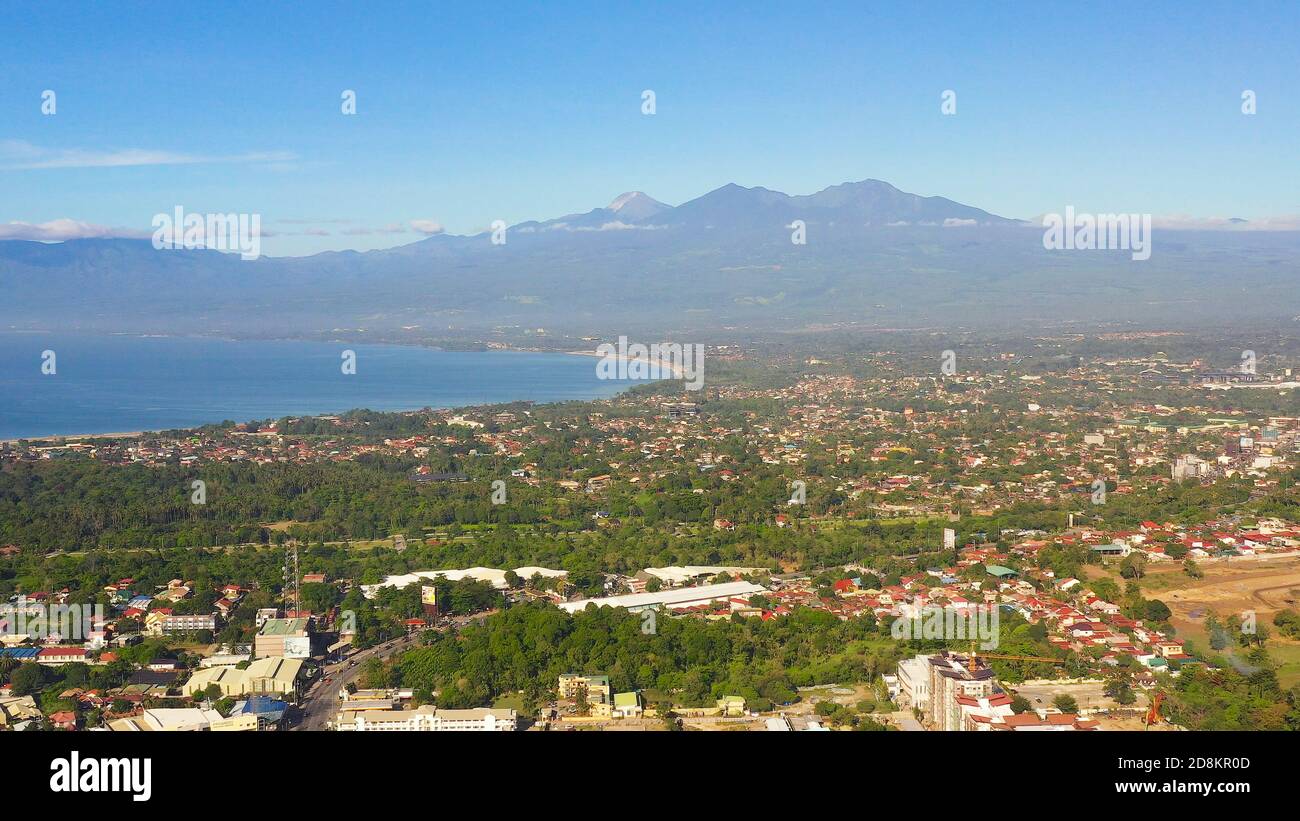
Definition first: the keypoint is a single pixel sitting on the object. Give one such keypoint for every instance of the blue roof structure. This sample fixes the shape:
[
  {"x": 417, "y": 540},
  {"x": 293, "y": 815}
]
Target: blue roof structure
[{"x": 261, "y": 706}]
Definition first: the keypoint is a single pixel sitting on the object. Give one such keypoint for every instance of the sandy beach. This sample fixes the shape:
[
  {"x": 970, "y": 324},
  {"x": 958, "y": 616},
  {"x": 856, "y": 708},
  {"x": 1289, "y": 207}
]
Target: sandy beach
[
  {"x": 666, "y": 366},
  {"x": 70, "y": 438}
]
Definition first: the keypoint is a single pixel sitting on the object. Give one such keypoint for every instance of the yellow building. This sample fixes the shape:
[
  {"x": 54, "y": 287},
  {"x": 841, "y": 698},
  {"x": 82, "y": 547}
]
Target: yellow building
[
  {"x": 268, "y": 676},
  {"x": 731, "y": 706},
  {"x": 596, "y": 687}
]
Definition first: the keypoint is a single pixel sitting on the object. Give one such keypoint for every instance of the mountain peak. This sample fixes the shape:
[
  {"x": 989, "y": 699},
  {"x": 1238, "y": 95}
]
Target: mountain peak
[
  {"x": 624, "y": 198},
  {"x": 635, "y": 205}
]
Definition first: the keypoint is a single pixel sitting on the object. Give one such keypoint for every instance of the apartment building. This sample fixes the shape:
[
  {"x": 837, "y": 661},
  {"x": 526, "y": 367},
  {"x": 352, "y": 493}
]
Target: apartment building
[
  {"x": 954, "y": 677},
  {"x": 170, "y": 624},
  {"x": 596, "y": 687}
]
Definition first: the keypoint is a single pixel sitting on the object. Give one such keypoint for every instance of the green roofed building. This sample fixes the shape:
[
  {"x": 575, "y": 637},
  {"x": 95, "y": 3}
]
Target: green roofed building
[
  {"x": 1000, "y": 572},
  {"x": 627, "y": 705}
]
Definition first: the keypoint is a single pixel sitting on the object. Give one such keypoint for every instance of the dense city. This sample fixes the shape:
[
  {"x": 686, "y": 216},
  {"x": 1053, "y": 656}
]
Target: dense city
[{"x": 1055, "y": 533}]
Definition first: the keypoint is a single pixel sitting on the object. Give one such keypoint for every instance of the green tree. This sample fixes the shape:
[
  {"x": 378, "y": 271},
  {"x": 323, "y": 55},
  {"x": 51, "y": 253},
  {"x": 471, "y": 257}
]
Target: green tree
[{"x": 1065, "y": 703}]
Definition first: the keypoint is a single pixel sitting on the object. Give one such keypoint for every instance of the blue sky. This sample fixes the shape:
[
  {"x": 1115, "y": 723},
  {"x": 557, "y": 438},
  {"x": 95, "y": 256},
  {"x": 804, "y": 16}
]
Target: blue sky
[{"x": 476, "y": 112}]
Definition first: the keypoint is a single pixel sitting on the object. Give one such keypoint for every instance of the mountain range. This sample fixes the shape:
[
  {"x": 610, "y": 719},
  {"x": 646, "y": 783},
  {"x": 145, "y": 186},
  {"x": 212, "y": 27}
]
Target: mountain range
[{"x": 872, "y": 256}]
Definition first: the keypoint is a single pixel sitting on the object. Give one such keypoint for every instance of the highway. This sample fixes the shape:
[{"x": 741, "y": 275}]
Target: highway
[{"x": 321, "y": 701}]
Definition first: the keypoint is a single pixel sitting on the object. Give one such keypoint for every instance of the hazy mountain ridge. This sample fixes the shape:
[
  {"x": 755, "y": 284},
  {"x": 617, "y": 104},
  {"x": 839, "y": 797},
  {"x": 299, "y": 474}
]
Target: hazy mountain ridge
[{"x": 874, "y": 254}]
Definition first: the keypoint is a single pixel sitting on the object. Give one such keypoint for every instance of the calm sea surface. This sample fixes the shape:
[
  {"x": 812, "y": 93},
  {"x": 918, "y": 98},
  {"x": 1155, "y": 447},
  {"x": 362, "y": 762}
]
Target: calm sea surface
[{"x": 111, "y": 384}]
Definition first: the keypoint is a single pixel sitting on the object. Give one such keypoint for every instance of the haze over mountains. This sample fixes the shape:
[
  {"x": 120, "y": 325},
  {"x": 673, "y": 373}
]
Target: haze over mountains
[{"x": 874, "y": 256}]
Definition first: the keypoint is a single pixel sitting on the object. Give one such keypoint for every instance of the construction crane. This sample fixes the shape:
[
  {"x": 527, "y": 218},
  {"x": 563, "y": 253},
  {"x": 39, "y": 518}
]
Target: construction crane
[
  {"x": 974, "y": 657},
  {"x": 1153, "y": 714}
]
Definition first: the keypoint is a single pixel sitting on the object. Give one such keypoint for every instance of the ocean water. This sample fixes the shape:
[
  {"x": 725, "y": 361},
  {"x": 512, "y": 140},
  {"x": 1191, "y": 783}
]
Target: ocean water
[{"x": 112, "y": 384}]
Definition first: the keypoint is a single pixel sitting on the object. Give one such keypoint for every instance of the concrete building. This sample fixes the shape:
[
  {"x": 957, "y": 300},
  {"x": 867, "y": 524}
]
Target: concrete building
[
  {"x": 1191, "y": 467},
  {"x": 671, "y": 599},
  {"x": 731, "y": 706},
  {"x": 268, "y": 676},
  {"x": 626, "y": 705},
  {"x": 674, "y": 576},
  {"x": 994, "y": 713},
  {"x": 914, "y": 683},
  {"x": 952, "y": 678},
  {"x": 490, "y": 575},
  {"x": 55, "y": 656},
  {"x": 286, "y": 638},
  {"x": 180, "y": 719},
  {"x": 16, "y": 709},
  {"x": 596, "y": 687},
  {"x": 239, "y": 723},
  {"x": 193, "y": 623},
  {"x": 427, "y": 719}
]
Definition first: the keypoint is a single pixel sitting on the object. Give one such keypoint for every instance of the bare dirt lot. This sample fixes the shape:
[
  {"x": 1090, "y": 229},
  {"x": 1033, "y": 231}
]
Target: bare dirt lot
[
  {"x": 1088, "y": 695},
  {"x": 1231, "y": 589},
  {"x": 1227, "y": 589}
]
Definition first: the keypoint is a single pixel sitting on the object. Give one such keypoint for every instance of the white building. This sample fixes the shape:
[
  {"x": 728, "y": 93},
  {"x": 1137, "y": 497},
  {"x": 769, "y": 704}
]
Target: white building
[
  {"x": 914, "y": 682},
  {"x": 427, "y": 719},
  {"x": 491, "y": 575},
  {"x": 674, "y": 576},
  {"x": 670, "y": 599},
  {"x": 177, "y": 719},
  {"x": 1190, "y": 467}
]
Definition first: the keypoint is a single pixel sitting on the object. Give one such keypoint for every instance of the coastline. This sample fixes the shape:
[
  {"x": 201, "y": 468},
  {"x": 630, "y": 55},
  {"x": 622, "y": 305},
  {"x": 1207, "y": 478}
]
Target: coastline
[
  {"x": 79, "y": 438},
  {"x": 134, "y": 434},
  {"x": 663, "y": 365},
  {"x": 86, "y": 433}
]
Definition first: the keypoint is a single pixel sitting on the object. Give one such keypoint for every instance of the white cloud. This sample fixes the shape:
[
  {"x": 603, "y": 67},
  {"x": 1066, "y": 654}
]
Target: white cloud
[
  {"x": 953, "y": 222},
  {"x": 17, "y": 155},
  {"x": 1182, "y": 222},
  {"x": 64, "y": 229},
  {"x": 426, "y": 227},
  {"x": 1185, "y": 222},
  {"x": 616, "y": 225}
]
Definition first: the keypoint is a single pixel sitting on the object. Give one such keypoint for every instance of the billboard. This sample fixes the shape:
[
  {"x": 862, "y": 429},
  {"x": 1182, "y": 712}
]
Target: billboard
[{"x": 429, "y": 595}]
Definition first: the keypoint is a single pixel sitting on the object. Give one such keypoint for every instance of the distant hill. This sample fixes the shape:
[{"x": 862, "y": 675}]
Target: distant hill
[{"x": 874, "y": 255}]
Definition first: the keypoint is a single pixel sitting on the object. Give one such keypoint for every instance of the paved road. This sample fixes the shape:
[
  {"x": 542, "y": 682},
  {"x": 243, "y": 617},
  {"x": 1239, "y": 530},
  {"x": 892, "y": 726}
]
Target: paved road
[{"x": 320, "y": 703}]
